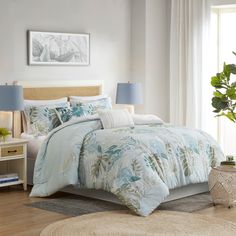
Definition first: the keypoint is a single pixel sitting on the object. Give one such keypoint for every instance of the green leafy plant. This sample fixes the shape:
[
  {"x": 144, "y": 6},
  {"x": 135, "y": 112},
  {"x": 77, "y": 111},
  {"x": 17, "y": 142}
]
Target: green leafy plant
[
  {"x": 4, "y": 133},
  {"x": 224, "y": 99}
]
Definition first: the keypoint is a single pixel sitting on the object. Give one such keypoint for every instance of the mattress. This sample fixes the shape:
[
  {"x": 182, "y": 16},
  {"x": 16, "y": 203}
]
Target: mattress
[{"x": 33, "y": 145}]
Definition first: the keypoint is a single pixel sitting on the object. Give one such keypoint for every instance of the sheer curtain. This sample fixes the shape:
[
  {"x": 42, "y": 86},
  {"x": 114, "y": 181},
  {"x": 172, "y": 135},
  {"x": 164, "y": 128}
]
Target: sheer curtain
[{"x": 188, "y": 61}]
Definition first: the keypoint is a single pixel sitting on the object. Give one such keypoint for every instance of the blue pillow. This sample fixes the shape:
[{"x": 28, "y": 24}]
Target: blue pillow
[
  {"x": 92, "y": 107},
  {"x": 67, "y": 113}
]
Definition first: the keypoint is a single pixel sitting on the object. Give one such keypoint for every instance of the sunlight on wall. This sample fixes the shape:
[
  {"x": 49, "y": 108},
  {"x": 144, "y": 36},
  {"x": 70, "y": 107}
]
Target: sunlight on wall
[
  {"x": 223, "y": 43},
  {"x": 209, "y": 121}
]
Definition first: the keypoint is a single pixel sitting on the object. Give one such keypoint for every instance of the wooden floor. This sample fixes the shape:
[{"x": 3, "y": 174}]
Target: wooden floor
[{"x": 18, "y": 219}]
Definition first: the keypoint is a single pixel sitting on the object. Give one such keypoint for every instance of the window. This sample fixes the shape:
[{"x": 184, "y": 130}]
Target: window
[{"x": 223, "y": 42}]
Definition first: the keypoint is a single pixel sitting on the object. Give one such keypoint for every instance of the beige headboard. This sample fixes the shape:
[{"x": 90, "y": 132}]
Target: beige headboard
[{"x": 55, "y": 90}]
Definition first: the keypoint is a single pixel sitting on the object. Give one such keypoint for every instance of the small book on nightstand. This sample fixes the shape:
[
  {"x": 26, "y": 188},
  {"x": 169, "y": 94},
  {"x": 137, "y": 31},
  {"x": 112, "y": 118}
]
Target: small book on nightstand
[
  {"x": 7, "y": 178},
  {"x": 227, "y": 163}
]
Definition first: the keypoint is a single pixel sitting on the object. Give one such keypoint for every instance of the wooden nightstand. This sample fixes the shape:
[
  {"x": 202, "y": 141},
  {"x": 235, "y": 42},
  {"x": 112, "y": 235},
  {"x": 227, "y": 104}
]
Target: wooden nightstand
[{"x": 13, "y": 159}]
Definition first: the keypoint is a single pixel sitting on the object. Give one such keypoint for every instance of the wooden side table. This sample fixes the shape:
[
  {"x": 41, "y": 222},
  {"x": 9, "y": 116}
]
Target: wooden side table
[
  {"x": 13, "y": 159},
  {"x": 222, "y": 185}
]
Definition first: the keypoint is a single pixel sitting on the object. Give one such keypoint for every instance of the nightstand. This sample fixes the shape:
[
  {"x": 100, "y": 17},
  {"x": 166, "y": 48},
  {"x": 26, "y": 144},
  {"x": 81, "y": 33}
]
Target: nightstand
[
  {"x": 222, "y": 185},
  {"x": 13, "y": 159}
]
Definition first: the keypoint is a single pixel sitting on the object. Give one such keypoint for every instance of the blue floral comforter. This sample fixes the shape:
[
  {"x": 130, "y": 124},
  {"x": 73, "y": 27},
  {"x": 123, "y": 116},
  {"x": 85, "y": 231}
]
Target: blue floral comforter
[{"x": 139, "y": 165}]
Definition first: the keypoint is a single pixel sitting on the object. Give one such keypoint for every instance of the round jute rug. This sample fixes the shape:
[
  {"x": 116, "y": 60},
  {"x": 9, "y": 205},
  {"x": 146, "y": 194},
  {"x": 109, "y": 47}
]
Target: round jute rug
[{"x": 123, "y": 223}]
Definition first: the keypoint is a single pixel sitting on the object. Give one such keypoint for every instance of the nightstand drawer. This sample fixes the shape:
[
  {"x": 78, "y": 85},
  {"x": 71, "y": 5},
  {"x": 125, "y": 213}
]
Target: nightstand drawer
[{"x": 12, "y": 151}]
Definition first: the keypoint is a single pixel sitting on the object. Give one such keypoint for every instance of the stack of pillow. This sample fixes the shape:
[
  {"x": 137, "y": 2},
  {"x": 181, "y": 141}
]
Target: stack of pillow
[{"x": 42, "y": 116}]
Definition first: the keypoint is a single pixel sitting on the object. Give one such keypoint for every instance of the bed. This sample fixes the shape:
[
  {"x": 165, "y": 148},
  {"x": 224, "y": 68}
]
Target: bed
[
  {"x": 93, "y": 126},
  {"x": 38, "y": 90}
]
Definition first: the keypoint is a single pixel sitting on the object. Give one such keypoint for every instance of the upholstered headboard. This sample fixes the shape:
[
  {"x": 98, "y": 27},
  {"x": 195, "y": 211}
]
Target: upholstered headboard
[{"x": 54, "y": 90}]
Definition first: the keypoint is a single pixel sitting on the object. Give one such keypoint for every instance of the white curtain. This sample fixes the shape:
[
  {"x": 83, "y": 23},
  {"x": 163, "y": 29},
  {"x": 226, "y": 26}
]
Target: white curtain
[{"x": 188, "y": 60}]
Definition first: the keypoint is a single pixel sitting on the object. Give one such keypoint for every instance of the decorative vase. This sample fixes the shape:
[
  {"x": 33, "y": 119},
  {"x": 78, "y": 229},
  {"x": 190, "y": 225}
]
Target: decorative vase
[{"x": 3, "y": 138}]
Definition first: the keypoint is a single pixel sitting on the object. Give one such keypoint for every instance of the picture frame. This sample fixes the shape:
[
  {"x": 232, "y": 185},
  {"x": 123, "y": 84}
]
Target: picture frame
[{"x": 51, "y": 48}]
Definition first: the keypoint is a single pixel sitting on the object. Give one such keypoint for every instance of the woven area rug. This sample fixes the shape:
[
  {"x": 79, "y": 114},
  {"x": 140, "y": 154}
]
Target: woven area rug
[
  {"x": 74, "y": 205},
  {"x": 122, "y": 223}
]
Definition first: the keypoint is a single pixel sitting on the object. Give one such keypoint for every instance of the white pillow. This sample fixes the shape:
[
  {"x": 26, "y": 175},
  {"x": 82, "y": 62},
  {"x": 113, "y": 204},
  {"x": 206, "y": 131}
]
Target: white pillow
[
  {"x": 45, "y": 102},
  {"x": 140, "y": 119},
  {"x": 87, "y": 98},
  {"x": 115, "y": 118}
]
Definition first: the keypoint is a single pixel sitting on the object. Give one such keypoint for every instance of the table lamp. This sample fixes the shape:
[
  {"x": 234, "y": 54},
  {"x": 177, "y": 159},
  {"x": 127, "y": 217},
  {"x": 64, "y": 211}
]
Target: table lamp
[
  {"x": 129, "y": 94},
  {"x": 11, "y": 99}
]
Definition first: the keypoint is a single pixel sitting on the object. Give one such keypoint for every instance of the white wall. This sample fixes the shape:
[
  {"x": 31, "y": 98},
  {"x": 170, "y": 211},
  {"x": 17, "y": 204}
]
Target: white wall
[
  {"x": 107, "y": 21},
  {"x": 150, "y": 53},
  {"x": 138, "y": 37},
  {"x": 129, "y": 41},
  {"x": 157, "y": 57},
  {"x": 138, "y": 21}
]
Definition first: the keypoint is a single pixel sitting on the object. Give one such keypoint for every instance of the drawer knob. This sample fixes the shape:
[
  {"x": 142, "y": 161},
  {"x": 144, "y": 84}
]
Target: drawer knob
[{"x": 12, "y": 151}]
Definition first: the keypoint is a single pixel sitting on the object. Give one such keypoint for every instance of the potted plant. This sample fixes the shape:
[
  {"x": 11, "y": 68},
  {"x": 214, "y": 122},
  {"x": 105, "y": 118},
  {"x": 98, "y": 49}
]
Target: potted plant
[
  {"x": 4, "y": 133},
  {"x": 224, "y": 99}
]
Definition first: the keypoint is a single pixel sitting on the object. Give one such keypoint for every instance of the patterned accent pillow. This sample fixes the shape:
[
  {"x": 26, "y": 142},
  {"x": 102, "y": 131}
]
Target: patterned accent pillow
[
  {"x": 41, "y": 120},
  {"x": 67, "y": 113},
  {"x": 92, "y": 107}
]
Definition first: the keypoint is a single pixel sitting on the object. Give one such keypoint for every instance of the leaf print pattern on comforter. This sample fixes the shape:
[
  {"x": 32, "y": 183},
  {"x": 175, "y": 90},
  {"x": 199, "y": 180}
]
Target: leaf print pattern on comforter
[{"x": 139, "y": 165}]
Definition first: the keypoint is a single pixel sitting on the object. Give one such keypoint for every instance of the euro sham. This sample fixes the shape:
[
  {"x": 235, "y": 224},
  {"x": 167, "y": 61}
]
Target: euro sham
[
  {"x": 53, "y": 102},
  {"x": 40, "y": 120},
  {"x": 87, "y": 98}
]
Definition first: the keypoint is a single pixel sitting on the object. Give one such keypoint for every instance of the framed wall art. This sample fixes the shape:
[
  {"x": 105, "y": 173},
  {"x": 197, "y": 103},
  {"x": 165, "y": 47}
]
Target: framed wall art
[{"x": 49, "y": 48}]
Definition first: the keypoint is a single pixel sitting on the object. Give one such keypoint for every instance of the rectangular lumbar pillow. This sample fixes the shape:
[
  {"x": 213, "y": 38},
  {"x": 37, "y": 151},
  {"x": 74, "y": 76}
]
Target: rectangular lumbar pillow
[{"x": 115, "y": 118}]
